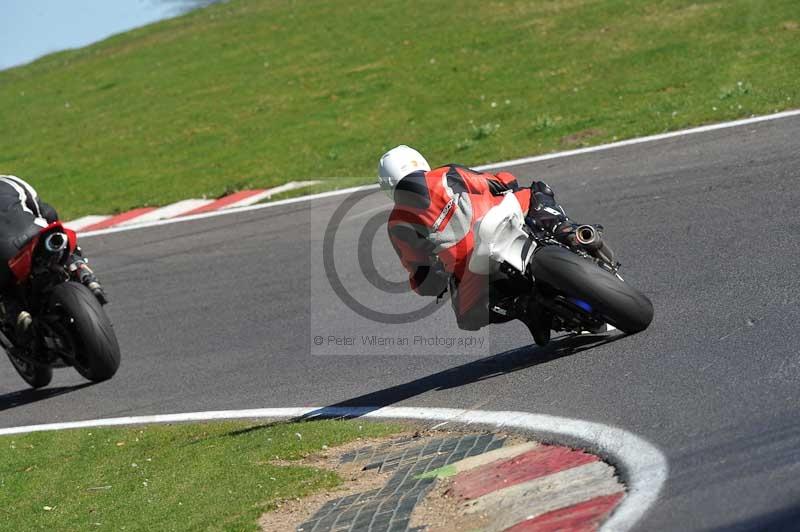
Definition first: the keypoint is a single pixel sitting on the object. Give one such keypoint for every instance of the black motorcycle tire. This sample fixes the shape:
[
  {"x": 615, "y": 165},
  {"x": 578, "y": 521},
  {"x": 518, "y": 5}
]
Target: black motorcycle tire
[
  {"x": 615, "y": 301},
  {"x": 96, "y": 349},
  {"x": 36, "y": 375}
]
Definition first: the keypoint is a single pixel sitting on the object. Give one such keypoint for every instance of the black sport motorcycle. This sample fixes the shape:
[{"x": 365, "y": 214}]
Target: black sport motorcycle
[{"x": 67, "y": 325}]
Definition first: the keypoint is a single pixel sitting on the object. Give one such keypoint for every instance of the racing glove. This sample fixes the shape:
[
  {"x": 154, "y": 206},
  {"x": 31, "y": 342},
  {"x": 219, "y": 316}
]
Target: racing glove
[{"x": 432, "y": 280}]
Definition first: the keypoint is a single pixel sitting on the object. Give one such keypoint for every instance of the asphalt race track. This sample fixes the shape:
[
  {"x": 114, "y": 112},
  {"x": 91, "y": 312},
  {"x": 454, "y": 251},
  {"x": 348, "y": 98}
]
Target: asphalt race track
[{"x": 221, "y": 313}]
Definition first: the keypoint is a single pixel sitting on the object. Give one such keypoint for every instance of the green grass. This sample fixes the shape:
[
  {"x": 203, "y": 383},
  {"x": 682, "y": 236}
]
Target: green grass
[
  {"x": 254, "y": 93},
  {"x": 163, "y": 477}
]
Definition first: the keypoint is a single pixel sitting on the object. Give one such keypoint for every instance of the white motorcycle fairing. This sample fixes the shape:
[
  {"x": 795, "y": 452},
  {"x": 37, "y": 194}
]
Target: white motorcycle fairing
[{"x": 500, "y": 237}]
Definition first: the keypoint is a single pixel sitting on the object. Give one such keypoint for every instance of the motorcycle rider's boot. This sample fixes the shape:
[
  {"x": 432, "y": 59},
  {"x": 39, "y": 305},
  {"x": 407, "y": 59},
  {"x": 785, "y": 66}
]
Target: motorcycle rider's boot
[
  {"x": 544, "y": 213},
  {"x": 81, "y": 270},
  {"x": 98, "y": 291}
]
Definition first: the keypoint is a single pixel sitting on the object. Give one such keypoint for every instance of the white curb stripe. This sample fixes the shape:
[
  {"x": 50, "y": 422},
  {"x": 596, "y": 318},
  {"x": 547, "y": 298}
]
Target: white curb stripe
[
  {"x": 221, "y": 212},
  {"x": 168, "y": 211},
  {"x": 85, "y": 221},
  {"x": 642, "y": 466},
  {"x": 601, "y": 147}
]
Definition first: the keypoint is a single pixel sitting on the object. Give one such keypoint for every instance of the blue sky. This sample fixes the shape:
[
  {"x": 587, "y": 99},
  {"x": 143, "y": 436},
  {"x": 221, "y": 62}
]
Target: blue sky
[{"x": 32, "y": 28}]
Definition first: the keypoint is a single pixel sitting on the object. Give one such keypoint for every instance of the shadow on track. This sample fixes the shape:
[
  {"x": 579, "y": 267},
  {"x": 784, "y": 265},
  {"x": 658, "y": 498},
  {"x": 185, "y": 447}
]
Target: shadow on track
[
  {"x": 29, "y": 395},
  {"x": 485, "y": 368}
]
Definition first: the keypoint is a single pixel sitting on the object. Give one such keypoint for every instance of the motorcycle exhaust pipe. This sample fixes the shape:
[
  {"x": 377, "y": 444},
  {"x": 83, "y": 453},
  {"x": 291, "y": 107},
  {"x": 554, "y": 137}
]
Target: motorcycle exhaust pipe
[
  {"x": 56, "y": 242},
  {"x": 588, "y": 237}
]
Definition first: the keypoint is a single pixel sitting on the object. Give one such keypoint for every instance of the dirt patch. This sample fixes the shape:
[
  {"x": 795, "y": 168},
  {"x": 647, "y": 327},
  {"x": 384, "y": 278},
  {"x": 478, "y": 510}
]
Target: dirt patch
[
  {"x": 442, "y": 512},
  {"x": 670, "y": 89},
  {"x": 291, "y": 513},
  {"x": 791, "y": 25},
  {"x": 581, "y": 136}
]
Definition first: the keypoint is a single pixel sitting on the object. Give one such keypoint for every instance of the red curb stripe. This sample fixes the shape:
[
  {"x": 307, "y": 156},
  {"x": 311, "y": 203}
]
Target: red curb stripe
[
  {"x": 539, "y": 462},
  {"x": 118, "y": 219},
  {"x": 224, "y": 202},
  {"x": 583, "y": 517}
]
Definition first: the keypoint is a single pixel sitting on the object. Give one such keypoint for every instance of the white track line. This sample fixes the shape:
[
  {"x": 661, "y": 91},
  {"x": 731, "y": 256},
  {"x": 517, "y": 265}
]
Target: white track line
[
  {"x": 641, "y": 140},
  {"x": 513, "y": 162},
  {"x": 643, "y": 467}
]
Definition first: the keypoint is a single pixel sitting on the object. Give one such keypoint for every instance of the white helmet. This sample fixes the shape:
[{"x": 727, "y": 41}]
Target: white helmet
[{"x": 398, "y": 163}]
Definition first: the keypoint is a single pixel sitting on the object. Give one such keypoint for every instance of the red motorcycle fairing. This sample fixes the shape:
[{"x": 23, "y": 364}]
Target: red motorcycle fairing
[{"x": 21, "y": 263}]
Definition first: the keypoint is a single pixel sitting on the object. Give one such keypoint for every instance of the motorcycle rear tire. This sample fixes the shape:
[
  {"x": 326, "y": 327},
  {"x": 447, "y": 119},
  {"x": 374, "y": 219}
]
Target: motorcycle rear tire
[
  {"x": 95, "y": 343},
  {"x": 612, "y": 299}
]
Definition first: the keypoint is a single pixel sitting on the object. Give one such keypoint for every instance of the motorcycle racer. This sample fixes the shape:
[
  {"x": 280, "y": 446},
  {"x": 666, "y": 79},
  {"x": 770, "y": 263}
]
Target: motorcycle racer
[
  {"x": 22, "y": 215},
  {"x": 432, "y": 230}
]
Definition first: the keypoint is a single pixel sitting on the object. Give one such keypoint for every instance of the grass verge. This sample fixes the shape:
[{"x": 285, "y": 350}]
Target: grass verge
[
  {"x": 213, "y": 476},
  {"x": 252, "y": 94}
]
